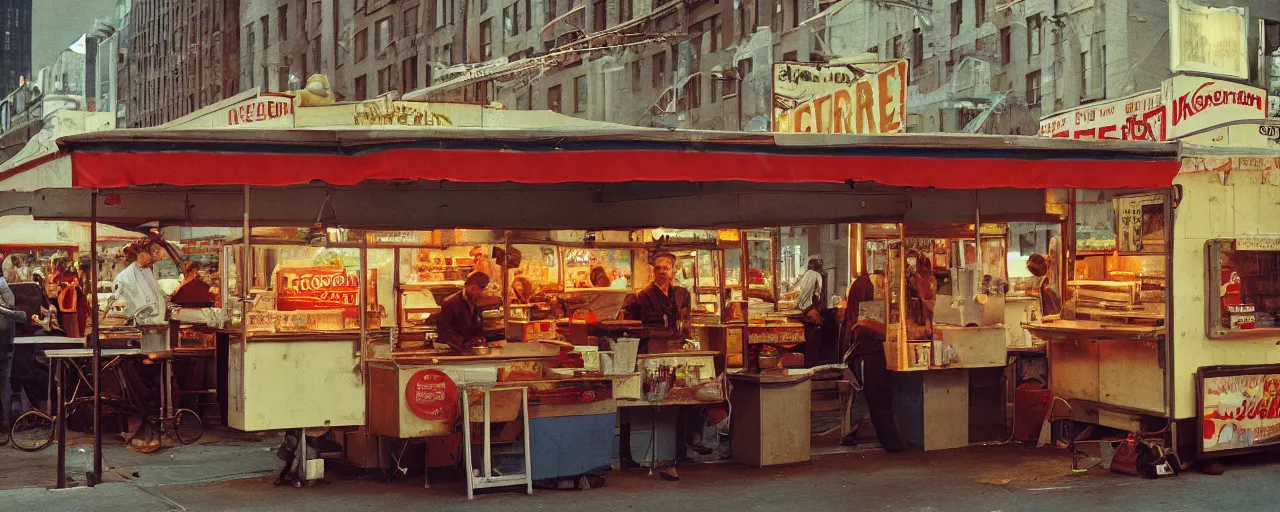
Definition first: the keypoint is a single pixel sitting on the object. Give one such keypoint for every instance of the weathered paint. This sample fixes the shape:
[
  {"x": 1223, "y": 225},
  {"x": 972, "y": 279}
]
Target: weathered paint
[
  {"x": 276, "y": 385},
  {"x": 1222, "y": 198}
]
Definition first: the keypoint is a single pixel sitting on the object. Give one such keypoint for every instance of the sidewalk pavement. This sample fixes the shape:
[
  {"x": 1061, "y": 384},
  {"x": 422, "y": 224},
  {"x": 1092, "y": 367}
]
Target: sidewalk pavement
[{"x": 237, "y": 475}]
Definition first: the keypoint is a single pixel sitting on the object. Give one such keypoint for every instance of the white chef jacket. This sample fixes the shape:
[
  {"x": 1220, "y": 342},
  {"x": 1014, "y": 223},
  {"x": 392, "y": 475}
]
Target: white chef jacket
[{"x": 138, "y": 288}]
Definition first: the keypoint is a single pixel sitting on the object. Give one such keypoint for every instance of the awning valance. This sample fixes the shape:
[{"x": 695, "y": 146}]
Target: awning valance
[{"x": 347, "y": 157}]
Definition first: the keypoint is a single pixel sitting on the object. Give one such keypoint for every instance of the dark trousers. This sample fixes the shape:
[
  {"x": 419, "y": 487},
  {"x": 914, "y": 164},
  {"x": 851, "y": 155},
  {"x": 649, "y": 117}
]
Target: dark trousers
[
  {"x": 7, "y": 415},
  {"x": 812, "y": 344},
  {"x": 878, "y": 390}
]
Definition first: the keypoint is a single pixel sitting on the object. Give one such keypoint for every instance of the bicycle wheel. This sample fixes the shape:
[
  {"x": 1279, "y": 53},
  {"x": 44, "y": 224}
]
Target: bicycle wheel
[
  {"x": 32, "y": 432},
  {"x": 187, "y": 426}
]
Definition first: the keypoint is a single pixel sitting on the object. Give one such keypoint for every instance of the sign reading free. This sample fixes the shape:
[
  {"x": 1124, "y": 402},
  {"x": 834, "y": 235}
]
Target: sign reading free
[{"x": 865, "y": 98}]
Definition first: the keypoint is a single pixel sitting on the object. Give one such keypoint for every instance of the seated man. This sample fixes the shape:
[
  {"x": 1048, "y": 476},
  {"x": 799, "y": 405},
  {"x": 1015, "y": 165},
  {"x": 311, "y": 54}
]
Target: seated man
[{"x": 458, "y": 324}]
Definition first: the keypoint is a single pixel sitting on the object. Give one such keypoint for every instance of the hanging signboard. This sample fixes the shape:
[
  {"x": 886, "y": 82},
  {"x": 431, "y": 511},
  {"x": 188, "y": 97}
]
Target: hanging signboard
[
  {"x": 1137, "y": 117},
  {"x": 1183, "y": 105},
  {"x": 1208, "y": 39},
  {"x": 1239, "y": 409},
  {"x": 865, "y": 98},
  {"x": 1196, "y": 103}
]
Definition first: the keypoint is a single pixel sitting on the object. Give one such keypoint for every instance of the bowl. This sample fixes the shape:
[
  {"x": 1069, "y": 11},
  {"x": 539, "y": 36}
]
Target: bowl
[
  {"x": 481, "y": 351},
  {"x": 768, "y": 362}
]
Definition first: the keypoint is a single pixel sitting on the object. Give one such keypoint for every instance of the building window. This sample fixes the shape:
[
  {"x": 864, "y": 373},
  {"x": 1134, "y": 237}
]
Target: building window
[
  {"x": 511, "y": 20},
  {"x": 553, "y": 98},
  {"x": 441, "y": 13},
  {"x": 411, "y": 22},
  {"x": 626, "y": 10},
  {"x": 897, "y": 47},
  {"x": 362, "y": 45},
  {"x": 716, "y": 28},
  {"x": 447, "y": 54},
  {"x": 599, "y": 16},
  {"x": 580, "y": 94},
  {"x": 362, "y": 88},
  {"x": 282, "y": 23},
  {"x": 957, "y": 17},
  {"x": 1033, "y": 88},
  {"x": 1033, "y": 35},
  {"x": 1102, "y": 71},
  {"x": 384, "y": 80},
  {"x": 528, "y": 25},
  {"x": 484, "y": 6},
  {"x": 550, "y": 6},
  {"x": 1086, "y": 74},
  {"x": 693, "y": 93},
  {"x": 409, "y": 74},
  {"x": 1006, "y": 45},
  {"x": 264, "y": 25},
  {"x": 635, "y": 76},
  {"x": 302, "y": 16},
  {"x": 383, "y": 34},
  {"x": 660, "y": 71},
  {"x": 980, "y": 12},
  {"x": 790, "y": 56},
  {"x": 917, "y": 47},
  {"x": 486, "y": 39},
  {"x": 776, "y": 21},
  {"x": 795, "y": 13}
]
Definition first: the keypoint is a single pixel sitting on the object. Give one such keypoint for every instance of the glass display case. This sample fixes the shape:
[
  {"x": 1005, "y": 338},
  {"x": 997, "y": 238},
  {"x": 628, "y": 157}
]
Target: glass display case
[
  {"x": 298, "y": 288},
  {"x": 1243, "y": 287}
]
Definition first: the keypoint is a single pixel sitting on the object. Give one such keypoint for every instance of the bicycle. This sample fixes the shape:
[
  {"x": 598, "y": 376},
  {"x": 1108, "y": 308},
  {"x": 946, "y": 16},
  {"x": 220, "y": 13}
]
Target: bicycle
[{"x": 34, "y": 430}]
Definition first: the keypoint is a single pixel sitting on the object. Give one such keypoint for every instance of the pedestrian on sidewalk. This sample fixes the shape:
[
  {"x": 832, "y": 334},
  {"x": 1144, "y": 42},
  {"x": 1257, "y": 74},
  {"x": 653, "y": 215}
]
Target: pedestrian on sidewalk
[{"x": 10, "y": 318}]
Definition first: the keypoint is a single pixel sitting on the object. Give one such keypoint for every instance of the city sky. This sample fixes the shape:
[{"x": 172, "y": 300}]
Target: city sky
[{"x": 58, "y": 23}]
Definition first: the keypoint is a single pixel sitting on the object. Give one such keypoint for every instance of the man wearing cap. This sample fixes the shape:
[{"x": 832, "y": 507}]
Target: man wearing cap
[{"x": 663, "y": 304}]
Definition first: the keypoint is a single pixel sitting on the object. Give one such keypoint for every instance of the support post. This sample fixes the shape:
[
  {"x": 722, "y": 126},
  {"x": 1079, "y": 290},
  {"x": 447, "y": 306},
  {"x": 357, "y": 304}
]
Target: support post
[{"x": 92, "y": 288}]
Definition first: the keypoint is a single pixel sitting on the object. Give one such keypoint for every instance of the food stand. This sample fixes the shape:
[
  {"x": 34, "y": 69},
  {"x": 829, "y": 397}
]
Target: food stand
[{"x": 730, "y": 181}]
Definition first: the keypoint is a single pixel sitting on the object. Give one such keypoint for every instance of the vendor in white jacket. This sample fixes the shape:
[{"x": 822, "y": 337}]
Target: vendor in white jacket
[{"x": 136, "y": 285}]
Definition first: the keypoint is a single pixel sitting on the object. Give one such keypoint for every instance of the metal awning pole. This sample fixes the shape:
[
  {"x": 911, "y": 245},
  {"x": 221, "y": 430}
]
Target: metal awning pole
[{"x": 97, "y": 346}]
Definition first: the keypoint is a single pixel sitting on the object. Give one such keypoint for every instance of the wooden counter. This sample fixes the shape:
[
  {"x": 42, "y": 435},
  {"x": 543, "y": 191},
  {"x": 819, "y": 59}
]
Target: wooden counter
[
  {"x": 1076, "y": 329},
  {"x": 770, "y": 418}
]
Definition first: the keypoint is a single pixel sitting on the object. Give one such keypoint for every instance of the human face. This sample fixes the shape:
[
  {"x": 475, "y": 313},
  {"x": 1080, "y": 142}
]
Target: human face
[
  {"x": 149, "y": 257},
  {"x": 473, "y": 292},
  {"x": 662, "y": 269}
]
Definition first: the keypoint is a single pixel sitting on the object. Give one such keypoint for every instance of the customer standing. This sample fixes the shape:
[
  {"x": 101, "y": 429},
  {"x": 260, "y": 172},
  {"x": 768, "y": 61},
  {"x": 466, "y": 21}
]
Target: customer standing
[
  {"x": 811, "y": 299},
  {"x": 10, "y": 317}
]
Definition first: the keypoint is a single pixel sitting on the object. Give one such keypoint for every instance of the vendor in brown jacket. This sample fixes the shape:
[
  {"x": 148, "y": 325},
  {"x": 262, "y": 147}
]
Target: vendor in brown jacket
[{"x": 458, "y": 324}]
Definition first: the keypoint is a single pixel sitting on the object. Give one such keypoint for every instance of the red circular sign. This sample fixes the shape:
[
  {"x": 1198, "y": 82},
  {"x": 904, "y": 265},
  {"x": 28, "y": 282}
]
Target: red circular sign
[{"x": 432, "y": 396}]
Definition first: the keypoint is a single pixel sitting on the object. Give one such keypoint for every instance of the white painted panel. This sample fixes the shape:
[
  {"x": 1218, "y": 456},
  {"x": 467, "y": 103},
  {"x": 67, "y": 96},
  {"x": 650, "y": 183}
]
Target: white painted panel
[{"x": 296, "y": 384}]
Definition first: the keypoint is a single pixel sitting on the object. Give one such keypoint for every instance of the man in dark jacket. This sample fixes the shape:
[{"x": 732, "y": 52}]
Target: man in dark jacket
[
  {"x": 867, "y": 360},
  {"x": 663, "y": 304},
  {"x": 458, "y": 324}
]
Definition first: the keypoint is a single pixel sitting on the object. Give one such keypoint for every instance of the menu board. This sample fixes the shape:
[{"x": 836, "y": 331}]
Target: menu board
[
  {"x": 1140, "y": 224},
  {"x": 1239, "y": 409}
]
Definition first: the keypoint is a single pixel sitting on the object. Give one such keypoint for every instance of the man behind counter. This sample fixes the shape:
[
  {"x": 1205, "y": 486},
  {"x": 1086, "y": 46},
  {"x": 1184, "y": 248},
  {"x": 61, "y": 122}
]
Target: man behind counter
[
  {"x": 663, "y": 304},
  {"x": 458, "y": 324}
]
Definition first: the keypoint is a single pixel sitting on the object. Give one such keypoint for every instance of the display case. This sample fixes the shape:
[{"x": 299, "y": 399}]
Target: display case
[
  {"x": 295, "y": 355},
  {"x": 1242, "y": 287}
]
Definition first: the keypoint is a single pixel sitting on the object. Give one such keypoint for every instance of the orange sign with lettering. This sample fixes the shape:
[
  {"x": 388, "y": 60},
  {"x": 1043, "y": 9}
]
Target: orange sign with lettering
[
  {"x": 315, "y": 288},
  {"x": 865, "y": 98}
]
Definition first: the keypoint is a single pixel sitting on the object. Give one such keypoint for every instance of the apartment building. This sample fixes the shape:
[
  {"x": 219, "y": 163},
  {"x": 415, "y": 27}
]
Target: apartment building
[
  {"x": 177, "y": 56},
  {"x": 283, "y": 42},
  {"x": 997, "y": 66},
  {"x": 15, "y": 48}
]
